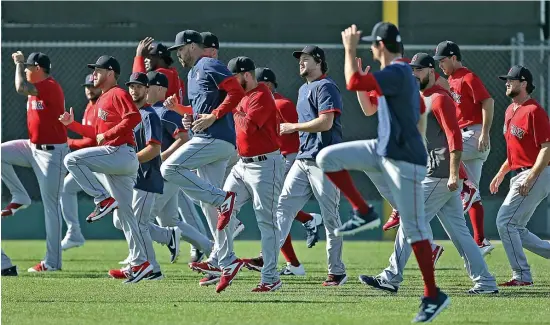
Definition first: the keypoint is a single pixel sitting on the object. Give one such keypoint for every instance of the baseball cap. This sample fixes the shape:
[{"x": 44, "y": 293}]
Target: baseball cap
[
  {"x": 520, "y": 73},
  {"x": 422, "y": 60},
  {"x": 106, "y": 62},
  {"x": 241, "y": 64},
  {"x": 446, "y": 49},
  {"x": 138, "y": 78},
  {"x": 312, "y": 50},
  {"x": 186, "y": 37},
  {"x": 384, "y": 31},
  {"x": 39, "y": 59},
  {"x": 157, "y": 79},
  {"x": 159, "y": 49},
  {"x": 210, "y": 40},
  {"x": 265, "y": 74},
  {"x": 89, "y": 81}
]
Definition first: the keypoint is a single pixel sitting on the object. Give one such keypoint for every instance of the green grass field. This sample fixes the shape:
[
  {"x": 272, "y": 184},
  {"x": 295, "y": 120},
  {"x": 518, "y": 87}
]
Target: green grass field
[{"x": 83, "y": 294}]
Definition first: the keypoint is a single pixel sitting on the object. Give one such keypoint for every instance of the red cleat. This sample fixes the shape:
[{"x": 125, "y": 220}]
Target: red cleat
[
  {"x": 122, "y": 273},
  {"x": 102, "y": 209},
  {"x": 205, "y": 267},
  {"x": 209, "y": 279},
  {"x": 267, "y": 287},
  {"x": 226, "y": 210},
  {"x": 41, "y": 267},
  {"x": 12, "y": 208},
  {"x": 228, "y": 274},
  {"x": 469, "y": 196},
  {"x": 436, "y": 254},
  {"x": 516, "y": 283},
  {"x": 393, "y": 222}
]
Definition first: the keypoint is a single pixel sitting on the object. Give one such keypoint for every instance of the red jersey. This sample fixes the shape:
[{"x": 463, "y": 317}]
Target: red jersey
[
  {"x": 117, "y": 115},
  {"x": 43, "y": 111},
  {"x": 290, "y": 143},
  {"x": 257, "y": 123},
  {"x": 90, "y": 115},
  {"x": 175, "y": 84},
  {"x": 468, "y": 92},
  {"x": 525, "y": 130}
]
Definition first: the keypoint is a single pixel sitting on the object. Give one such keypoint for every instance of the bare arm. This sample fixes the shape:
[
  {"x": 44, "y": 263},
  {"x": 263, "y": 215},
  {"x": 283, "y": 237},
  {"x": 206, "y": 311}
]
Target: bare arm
[
  {"x": 488, "y": 110},
  {"x": 149, "y": 152},
  {"x": 456, "y": 157},
  {"x": 320, "y": 124},
  {"x": 422, "y": 125},
  {"x": 504, "y": 169},
  {"x": 543, "y": 158},
  {"x": 367, "y": 106},
  {"x": 22, "y": 86},
  {"x": 181, "y": 138},
  {"x": 499, "y": 177}
]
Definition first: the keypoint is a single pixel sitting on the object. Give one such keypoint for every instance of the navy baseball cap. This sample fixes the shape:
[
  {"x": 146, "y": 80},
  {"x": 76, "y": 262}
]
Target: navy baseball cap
[
  {"x": 186, "y": 37},
  {"x": 89, "y": 81},
  {"x": 106, "y": 62},
  {"x": 422, "y": 60},
  {"x": 384, "y": 31},
  {"x": 446, "y": 49},
  {"x": 159, "y": 49},
  {"x": 266, "y": 75},
  {"x": 518, "y": 72},
  {"x": 241, "y": 64},
  {"x": 157, "y": 79},
  {"x": 138, "y": 78},
  {"x": 312, "y": 50},
  {"x": 39, "y": 59},
  {"x": 210, "y": 40}
]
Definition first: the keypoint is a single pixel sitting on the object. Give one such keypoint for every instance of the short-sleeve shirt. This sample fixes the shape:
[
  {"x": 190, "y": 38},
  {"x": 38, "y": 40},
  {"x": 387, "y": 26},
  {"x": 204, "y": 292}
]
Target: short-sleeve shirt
[
  {"x": 43, "y": 111},
  {"x": 289, "y": 143},
  {"x": 149, "y": 178},
  {"x": 204, "y": 96},
  {"x": 318, "y": 97},
  {"x": 468, "y": 92},
  {"x": 171, "y": 124},
  {"x": 525, "y": 130}
]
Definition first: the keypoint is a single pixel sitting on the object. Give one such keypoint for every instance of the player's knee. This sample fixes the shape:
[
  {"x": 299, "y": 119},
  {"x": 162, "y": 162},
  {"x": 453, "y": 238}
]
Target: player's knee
[
  {"x": 325, "y": 161},
  {"x": 69, "y": 161},
  {"x": 167, "y": 171}
]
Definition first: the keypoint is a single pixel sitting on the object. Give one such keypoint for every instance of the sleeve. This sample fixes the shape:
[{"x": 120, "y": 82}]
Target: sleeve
[
  {"x": 390, "y": 79},
  {"x": 287, "y": 111},
  {"x": 477, "y": 89},
  {"x": 373, "y": 97},
  {"x": 541, "y": 126},
  {"x": 129, "y": 113},
  {"x": 84, "y": 130},
  {"x": 152, "y": 128},
  {"x": 329, "y": 99},
  {"x": 444, "y": 111},
  {"x": 235, "y": 93},
  {"x": 172, "y": 123},
  {"x": 76, "y": 144},
  {"x": 139, "y": 64},
  {"x": 217, "y": 71}
]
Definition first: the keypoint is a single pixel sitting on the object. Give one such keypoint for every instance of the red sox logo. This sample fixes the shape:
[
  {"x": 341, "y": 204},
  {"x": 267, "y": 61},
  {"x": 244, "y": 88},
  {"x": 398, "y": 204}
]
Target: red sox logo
[
  {"x": 517, "y": 132},
  {"x": 456, "y": 97},
  {"x": 37, "y": 105},
  {"x": 102, "y": 114}
]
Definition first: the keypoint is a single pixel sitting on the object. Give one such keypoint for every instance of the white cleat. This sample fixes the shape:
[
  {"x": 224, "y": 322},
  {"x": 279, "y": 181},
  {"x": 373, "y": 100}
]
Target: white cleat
[
  {"x": 486, "y": 247},
  {"x": 66, "y": 243},
  {"x": 238, "y": 229},
  {"x": 293, "y": 270},
  {"x": 126, "y": 261}
]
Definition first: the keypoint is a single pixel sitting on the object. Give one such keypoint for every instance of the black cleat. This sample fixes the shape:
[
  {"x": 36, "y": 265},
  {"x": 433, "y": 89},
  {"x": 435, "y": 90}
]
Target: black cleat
[
  {"x": 430, "y": 308},
  {"x": 378, "y": 283},
  {"x": 10, "y": 271},
  {"x": 358, "y": 223}
]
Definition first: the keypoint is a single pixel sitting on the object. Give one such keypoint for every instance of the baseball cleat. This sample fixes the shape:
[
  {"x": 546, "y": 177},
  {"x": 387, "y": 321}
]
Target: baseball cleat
[
  {"x": 486, "y": 247},
  {"x": 228, "y": 274},
  {"x": 430, "y": 308},
  {"x": 196, "y": 255},
  {"x": 378, "y": 283},
  {"x": 469, "y": 195},
  {"x": 254, "y": 264},
  {"x": 102, "y": 209},
  {"x": 226, "y": 210},
  {"x": 290, "y": 269},
  {"x": 121, "y": 273},
  {"x": 436, "y": 253},
  {"x": 238, "y": 229},
  {"x": 209, "y": 279},
  {"x": 393, "y": 221},
  {"x": 312, "y": 229},
  {"x": 66, "y": 243},
  {"x": 358, "y": 223},
  {"x": 174, "y": 244},
  {"x": 153, "y": 276},
  {"x": 267, "y": 287},
  {"x": 12, "y": 208},
  {"x": 10, "y": 271},
  {"x": 474, "y": 291},
  {"x": 41, "y": 267},
  {"x": 205, "y": 267},
  {"x": 139, "y": 272},
  {"x": 516, "y": 283},
  {"x": 334, "y": 280}
]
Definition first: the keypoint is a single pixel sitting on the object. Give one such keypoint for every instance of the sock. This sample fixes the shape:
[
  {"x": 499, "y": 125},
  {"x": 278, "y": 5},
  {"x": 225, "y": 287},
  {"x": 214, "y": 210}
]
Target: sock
[
  {"x": 303, "y": 217},
  {"x": 476, "y": 213},
  {"x": 288, "y": 252},
  {"x": 423, "y": 252},
  {"x": 343, "y": 181}
]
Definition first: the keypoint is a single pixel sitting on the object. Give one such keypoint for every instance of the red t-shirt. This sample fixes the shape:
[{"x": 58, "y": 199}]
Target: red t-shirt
[
  {"x": 89, "y": 118},
  {"x": 525, "y": 130},
  {"x": 290, "y": 143},
  {"x": 43, "y": 111},
  {"x": 257, "y": 123},
  {"x": 117, "y": 115},
  {"x": 175, "y": 84},
  {"x": 468, "y": 92}
]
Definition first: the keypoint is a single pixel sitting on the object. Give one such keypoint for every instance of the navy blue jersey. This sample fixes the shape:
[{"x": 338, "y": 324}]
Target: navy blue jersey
[
  {"x": 170, "y": 123},
  {"x": 314, "y": 98},
  {"x": 205, "y": 96},
  {"x": 398, "y": 115},
  {"x": 149, "y": 178}
]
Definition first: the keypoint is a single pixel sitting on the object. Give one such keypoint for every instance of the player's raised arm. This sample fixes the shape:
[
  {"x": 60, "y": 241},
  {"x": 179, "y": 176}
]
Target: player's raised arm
[
  {"x": 35, "y": 61},
  {"x": 142, "y": 52}
]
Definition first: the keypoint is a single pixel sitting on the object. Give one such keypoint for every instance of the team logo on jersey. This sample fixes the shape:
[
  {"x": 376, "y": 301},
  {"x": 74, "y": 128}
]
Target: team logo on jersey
[
  {"x": 517, "y": 131},
  {"x": 102, "y": 114},
  {"x": 456, "y": 97},
  {"x": 37, "y": 105}
]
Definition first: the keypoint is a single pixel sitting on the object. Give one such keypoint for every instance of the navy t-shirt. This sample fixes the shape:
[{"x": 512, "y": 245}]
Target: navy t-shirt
[
  {"x": 314, "y": 98},
  {"x": 170, "y": 123},
  {"x": 149, "y": 178},
  {"x": 205, "y": 96}
]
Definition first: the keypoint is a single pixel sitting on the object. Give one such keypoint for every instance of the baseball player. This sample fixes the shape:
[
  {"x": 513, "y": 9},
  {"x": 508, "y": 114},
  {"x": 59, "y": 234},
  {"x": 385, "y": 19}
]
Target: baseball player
[
  {"x": 527, "y": 134},
  {"x": 398, "y": 154},
  {"x": 8, "y": 269},
  {"x": 43, "y": 151},
  {"x": 69, "y": 199},
  {"x": 441, "y": 187},
  {"x": 319, "y": 108},
  {"x": 114, "y": 156},
  {"x": 475, "y": 108}
]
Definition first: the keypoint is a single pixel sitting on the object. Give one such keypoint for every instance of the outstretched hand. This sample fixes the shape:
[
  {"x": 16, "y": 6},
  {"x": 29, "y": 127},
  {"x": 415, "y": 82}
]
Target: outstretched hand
[{"x": 67, "y": 117}]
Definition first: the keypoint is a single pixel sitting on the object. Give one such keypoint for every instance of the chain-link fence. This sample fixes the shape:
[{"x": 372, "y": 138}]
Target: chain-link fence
[{"x": 69, "y": 61}]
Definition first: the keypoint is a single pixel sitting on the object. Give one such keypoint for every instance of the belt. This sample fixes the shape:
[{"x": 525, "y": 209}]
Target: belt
[
  {"x": 522, "y": 169},
  {"x": 465, "y": 129},
  {"x": 45, "y": 147},
  {"x": 254, "y": 159}
]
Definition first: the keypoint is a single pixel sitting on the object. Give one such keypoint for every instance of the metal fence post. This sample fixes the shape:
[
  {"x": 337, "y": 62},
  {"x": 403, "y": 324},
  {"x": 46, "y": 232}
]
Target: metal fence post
[{"x": 521, "y": 44}]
